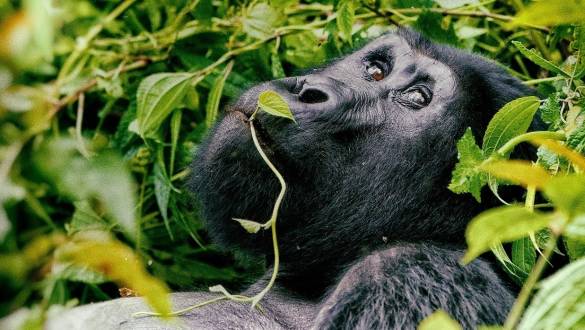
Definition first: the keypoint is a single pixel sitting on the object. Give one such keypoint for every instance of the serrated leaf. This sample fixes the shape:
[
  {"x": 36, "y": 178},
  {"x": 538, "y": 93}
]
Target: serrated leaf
[
  {"x": 550, "y": 111},
  {"x": 215, "y": 93},
  {"x": 345, "y": 19},
  {"x": 576, "y": 140},
  {"x": 439, "y": 320},
  {"x": 518, "y": 172},
  {"x": 559, "y": 302},
  {"x": 523, "y": 256},
  {"x": 272, "y": 103},
  {"x": 550, "y": 13},
  {"x": 511, "y": 120},
  {"x": 157, "y": 96},
  {"x": 466, "y": 176},
  {"x": 539, "y": 60},
  {"x": 500, "y": 225},
  {"x": 119, "y": 263},
  {"x": 250, "y": 226}
]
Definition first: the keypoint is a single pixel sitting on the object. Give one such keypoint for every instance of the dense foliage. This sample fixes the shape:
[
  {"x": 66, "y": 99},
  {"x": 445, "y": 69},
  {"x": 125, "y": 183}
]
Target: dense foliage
[{"x": 102, "y": 104}]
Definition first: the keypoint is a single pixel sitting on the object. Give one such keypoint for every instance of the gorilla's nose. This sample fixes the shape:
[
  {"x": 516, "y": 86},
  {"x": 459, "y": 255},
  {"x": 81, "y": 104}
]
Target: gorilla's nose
[{"x": 313, "y": 95}]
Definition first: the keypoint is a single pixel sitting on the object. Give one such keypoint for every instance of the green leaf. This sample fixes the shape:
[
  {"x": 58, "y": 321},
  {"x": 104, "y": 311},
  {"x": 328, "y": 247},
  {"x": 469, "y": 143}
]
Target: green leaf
[
  {"x": 567, "y": 193},
  {"x": 250, "y": 226},
  {"x": 511, "y": 120},
  {"x": 533, "y": 56},
  {"x": 345, "y": 19},
  {"x": 523, "y": 256},
  {"x": 85, "y": 219},
  {"x": 576, "y": 158},
  {"x": 549, "y": 13},
  {"x": 431, "y": 25},
  {"x": 215, "y": 95},
  {"x": 518, "y": 172},
  {"x": 466, "y": 176},
  {"x": 276, "y": 66},
  {"x": 439, "y": 320},
  {"x": 499, "y": 225},
  {"x": 162, "y": 193},
  {"x": 575, "y": 246},
  {"x": 550, "y": 111},
  {"x": 559, "y": 302},
  {"x": 261, "y": 19},
  {"x": 272, "y": 103},
  {"x": 157, "y": 96},
  {"x": 576, "y": 140}
]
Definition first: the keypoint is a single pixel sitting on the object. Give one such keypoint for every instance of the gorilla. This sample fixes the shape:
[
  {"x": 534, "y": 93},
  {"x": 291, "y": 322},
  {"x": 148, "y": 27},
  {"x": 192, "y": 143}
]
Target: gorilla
[{"x": 369, "y": 235}]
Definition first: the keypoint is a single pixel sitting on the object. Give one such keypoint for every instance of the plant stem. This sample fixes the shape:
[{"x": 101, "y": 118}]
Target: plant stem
[
  {"x": 509, "y": 146},
  {"x": 541, "y": 80},
  {"x": 524, "y": 295}
]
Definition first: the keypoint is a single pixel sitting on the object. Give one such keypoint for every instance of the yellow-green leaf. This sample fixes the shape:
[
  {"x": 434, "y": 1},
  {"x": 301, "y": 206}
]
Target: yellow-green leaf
[
  {"x": 502, "y": 224},
  {"x": 250, "y": 226},
  {"x": 518, "y": 172},
  {"x": 539, "y": 60},
  {"x": 567, "y": 193},
  {"x": 345, "y": 19},
  {"x": 272, "y": 103},
  {"x": 552, "y": 12},
  {"x": 119, "y": 263},
  {"x": 439, "y": 320}
]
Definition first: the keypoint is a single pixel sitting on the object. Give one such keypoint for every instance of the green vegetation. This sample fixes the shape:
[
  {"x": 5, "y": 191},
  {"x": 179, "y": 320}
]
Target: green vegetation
[{"x": 102, "y": 104}]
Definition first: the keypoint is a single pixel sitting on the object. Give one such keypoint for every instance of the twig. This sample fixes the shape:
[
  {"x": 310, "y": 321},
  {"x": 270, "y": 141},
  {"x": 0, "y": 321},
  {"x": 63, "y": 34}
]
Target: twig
[{"x": 78, "y": 122}]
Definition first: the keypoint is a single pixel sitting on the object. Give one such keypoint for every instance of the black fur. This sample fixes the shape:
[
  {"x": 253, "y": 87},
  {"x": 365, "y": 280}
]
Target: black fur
[{"x": 368, "y": 230}]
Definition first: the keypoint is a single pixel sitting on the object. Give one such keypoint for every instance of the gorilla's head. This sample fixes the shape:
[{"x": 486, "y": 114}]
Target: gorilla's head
[{"x": 368, "y": 161}]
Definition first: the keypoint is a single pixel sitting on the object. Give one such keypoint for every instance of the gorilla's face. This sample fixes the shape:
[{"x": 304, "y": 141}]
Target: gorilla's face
[{"x": 368, "y": 160}]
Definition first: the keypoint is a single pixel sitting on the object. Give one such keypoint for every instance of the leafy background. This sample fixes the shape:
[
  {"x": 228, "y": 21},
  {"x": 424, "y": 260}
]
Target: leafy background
[{"x": 102, "y": 104}]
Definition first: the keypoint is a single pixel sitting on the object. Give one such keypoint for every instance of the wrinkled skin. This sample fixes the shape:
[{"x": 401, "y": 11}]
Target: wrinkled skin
[{"x": 369, "y": 235}]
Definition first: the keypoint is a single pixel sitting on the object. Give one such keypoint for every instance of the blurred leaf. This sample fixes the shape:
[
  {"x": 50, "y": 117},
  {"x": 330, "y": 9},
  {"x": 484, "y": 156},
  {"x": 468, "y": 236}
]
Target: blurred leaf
[
  {"x": 158, "y": 95},
  {"x": 76, "y": 273},
  {"x": 162, "y": 192},
  {"x": 345, "y": 19},
  {"x": 466, "y": 176},
  {"x": 450, "y": 4},
  {"x": 552, "y": 13},
  {"x": 430, "y": 24},
  {"x": 215, "y": 95},
  {"x": 539, "y": 60},
  {"x": 556, "y": 147},
  {"x": 558, "y": 303},
  {"x": 501, "y": 224},
  {"x": 439, "y": 320},
  {"x": 575, "y": 246},
  {"x": 119, "y": 263},
  {"x": 272, "y": 103},
  {"x": 85, "y": 218},
  {"x": 567, "y": 193},
  {"x": 104, "y": 177},
  {"x": 518, "y": 172}
]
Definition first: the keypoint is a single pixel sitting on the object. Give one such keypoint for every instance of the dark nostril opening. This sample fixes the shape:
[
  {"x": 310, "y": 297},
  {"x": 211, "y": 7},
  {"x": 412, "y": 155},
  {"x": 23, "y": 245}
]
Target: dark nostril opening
[{"x": 312, "y": 95}]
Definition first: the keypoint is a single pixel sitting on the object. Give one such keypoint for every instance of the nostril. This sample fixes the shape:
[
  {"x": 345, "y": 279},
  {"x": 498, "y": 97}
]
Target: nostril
[{"x": 313, "y": 95}]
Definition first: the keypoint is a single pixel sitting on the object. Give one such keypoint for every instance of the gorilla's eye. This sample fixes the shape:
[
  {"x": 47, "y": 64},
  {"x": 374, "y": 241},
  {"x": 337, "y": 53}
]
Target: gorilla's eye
[
  {"x": 375, "y": 70},
  {"x": 417, "y": 97}
]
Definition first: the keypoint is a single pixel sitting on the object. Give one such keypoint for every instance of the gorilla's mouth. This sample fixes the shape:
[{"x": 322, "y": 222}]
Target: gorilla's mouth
[{"x": 266, "y": 142}]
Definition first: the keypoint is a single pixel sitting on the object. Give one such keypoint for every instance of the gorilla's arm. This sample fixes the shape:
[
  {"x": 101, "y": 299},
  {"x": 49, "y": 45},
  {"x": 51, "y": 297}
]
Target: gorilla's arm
[
  {"x": 279, "y": 311},
  {"x": 398, "y": 287}
]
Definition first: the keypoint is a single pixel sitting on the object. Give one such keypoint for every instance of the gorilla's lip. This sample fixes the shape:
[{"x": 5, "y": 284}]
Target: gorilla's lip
[{"x": 264, "y": 139}]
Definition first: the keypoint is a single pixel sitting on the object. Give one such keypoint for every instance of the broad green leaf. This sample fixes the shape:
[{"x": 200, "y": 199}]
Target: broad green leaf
[
  {"x": 157, "y": 96},
  {"x": 511, "y": 120},
  {"x": 272, "y": 103},
  {"x": 119, "y": 263},
  {"x": 431, "y": 25},
  {"x": 551, "y": 13},
  {"x": 576, "y": 158},
  {"x": 560, "y": 301},
  {"x": 576, "y": 140},
  {"x": 103, "y": 177},
  {"x": 250, "y": 226},
  {"x": 304, "y": 49},
  {"x": 85, "y": 218},
  {"x": 466, "y": 176},
  {"x": 450, "y": 4},
  {"x": 518, "y": 172},
  {"x": 550, "y": 111},
  {"x": 539, "y": 60},
  {"x": 567, "y": 193},
  {"x": 500, "y": 225},
  {"x": 575, "y": 246},
  {"x": 439, "y": 320},
  {"x": 345, "y": 19},
  {"x": 523, "y": 256},
  {"x": 215, "y": 95},
  {"x": 261, "y": 19}
]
